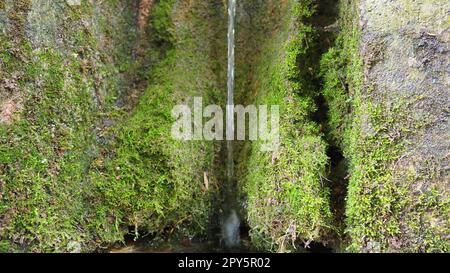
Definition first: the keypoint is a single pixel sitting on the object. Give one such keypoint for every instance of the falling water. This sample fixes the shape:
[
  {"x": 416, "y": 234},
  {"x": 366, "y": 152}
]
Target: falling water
[
  {"x": 231, "y": 223},
  {"x": 230, "y": 88}
]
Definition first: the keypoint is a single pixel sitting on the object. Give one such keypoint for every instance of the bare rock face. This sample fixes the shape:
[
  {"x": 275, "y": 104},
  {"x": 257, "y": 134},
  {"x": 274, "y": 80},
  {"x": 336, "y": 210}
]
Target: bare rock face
[{"x": 405, "y": 47}]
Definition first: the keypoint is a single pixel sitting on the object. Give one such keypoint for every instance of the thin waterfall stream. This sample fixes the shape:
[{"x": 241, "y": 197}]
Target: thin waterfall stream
[{"x": 230, "y": 221}]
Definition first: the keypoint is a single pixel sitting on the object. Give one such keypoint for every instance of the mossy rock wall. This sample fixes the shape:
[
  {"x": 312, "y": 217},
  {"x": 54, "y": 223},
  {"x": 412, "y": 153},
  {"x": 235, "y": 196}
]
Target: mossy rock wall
[
  {"x": 285, "y": 191},
  {"x": 61, "y": 70},
  {"x": 79, "y": 164},
  {"x": 86, "y": 93},
  {"x": 386, "y": 84},
  {"x": 152, "y": 181}
]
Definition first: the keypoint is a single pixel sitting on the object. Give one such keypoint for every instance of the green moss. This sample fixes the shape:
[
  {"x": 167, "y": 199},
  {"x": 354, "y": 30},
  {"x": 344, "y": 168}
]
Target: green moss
[
  {"x": 341, "y": 69},
  {"x": 153, "y": 182},
  {"x": 62, "y": 92},
  {"x": 383, "y": 212},
  {"x": 43, "y": 155},
  {"x": 67, "y": 181},
  {"x": 286, "y": 196},
  {"x": 161, "y": 22}
]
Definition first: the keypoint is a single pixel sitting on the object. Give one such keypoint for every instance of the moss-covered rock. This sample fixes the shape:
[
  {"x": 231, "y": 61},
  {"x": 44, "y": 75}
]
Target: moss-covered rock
[
  {"x": 86, "y": 94},
  {"x": 60, "y": 74},
  {"x": 285, "y": 190},
  {"x": 77, "y": 166},
  {"x": 152, "y": 181},
  {"x": 384, "y": 84}
]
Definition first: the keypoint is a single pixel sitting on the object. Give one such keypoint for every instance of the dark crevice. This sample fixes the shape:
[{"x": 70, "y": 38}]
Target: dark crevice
[{"x": 323, "y": 21}]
